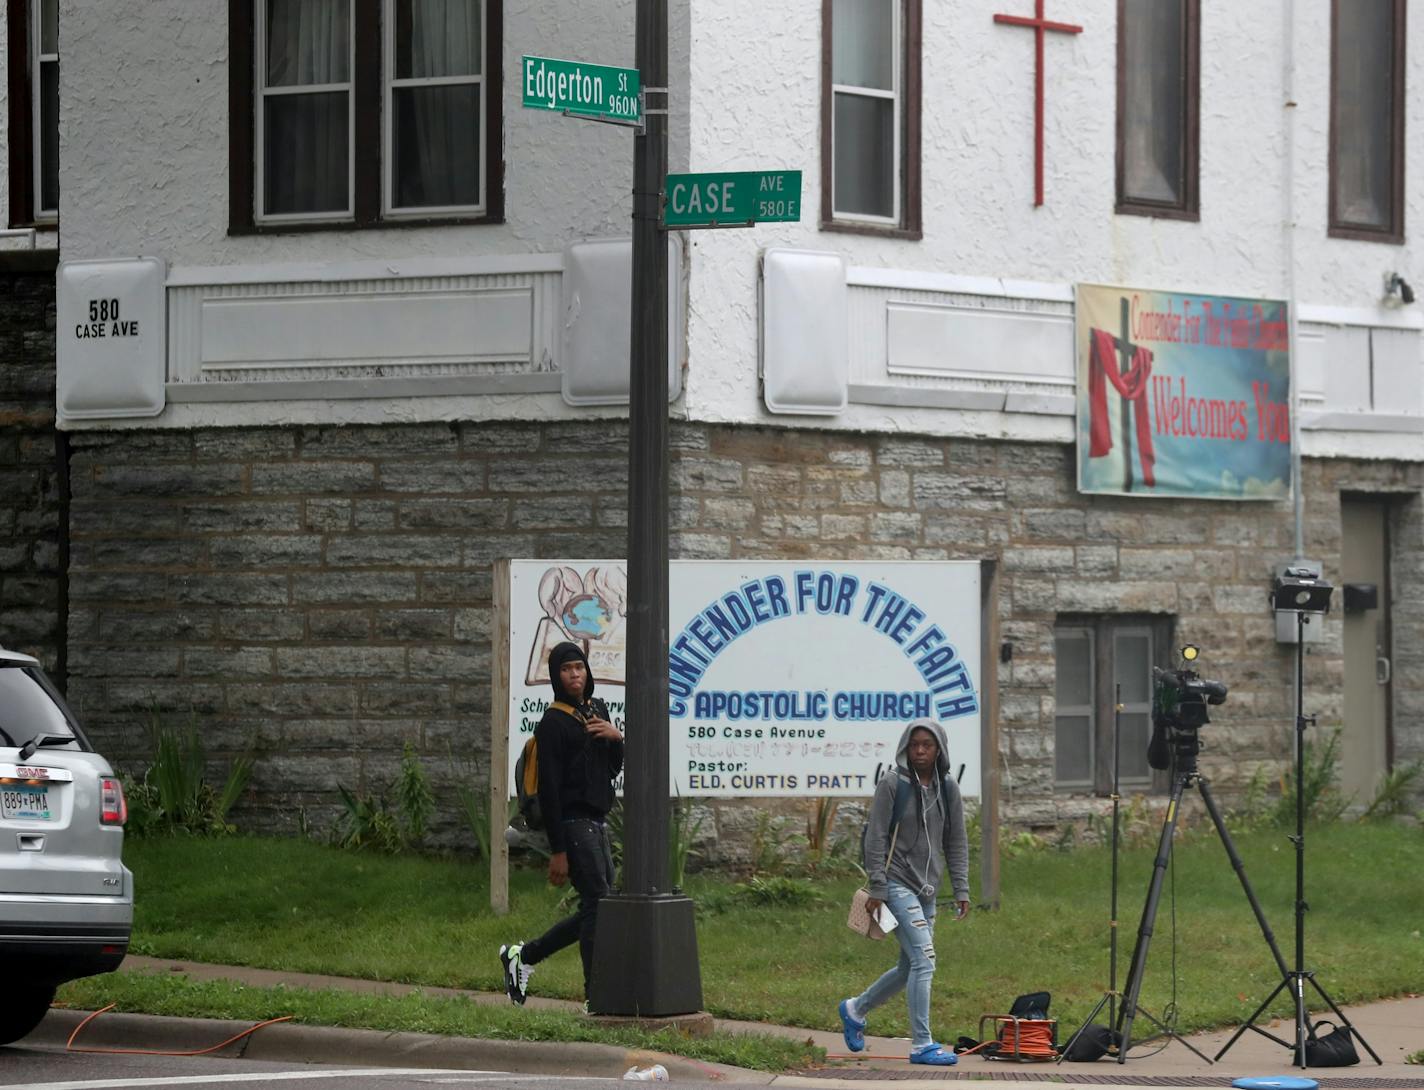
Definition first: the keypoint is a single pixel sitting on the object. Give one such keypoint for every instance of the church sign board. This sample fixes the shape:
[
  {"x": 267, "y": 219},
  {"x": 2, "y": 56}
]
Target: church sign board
[
  {"x": 785, "y": 678},
  {"x": 1182, "y": 394}
]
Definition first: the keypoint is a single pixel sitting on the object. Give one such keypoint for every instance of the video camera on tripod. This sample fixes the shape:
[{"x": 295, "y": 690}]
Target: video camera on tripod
[{"x": 1179, "y": 703}]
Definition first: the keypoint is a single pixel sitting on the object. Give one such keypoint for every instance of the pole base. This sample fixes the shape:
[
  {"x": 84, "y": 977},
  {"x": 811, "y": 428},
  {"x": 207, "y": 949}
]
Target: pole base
[{"x": 645, "y": 957}]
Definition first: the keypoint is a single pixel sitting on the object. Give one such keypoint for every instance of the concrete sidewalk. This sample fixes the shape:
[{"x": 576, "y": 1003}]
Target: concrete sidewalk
[{"x": 1394, "y": 1029}]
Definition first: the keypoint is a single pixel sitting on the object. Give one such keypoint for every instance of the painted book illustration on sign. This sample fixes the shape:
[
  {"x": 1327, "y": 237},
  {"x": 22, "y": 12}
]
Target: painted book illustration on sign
[{"x": 589, "y": 609}]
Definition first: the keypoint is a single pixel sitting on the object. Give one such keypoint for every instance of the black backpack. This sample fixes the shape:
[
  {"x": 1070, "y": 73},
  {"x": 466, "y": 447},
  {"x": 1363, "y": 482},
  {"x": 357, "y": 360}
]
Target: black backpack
[{"x": 526, "y": 769}]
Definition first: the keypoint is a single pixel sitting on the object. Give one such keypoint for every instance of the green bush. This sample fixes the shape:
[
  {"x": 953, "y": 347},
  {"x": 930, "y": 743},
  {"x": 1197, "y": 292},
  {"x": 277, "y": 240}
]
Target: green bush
[
  {"x": 1319, "y": 790},
  {"x": 370, "y": 821},
  {"x": 775, "y": 891},
  {"x": 684, "y": 823},
  {"x": 173, "y": 794},
  {"x": 1392, "y": 798},
  {"x": 473, "y": 803},
  {"x": 769, "y": 843}
]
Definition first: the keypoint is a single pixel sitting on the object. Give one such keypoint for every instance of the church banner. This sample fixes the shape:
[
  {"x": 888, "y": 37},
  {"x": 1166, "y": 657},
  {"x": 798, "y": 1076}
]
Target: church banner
[
  {"x": 785, "y": 678},
  {"x": 1182, "y": 394}
]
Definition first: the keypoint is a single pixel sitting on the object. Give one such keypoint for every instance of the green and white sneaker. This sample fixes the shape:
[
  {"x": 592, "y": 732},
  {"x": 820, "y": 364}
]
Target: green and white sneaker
[{"x": 516, "y": 973}]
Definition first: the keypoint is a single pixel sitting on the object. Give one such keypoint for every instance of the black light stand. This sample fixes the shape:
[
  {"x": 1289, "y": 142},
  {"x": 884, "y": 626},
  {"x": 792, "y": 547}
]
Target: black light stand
[
  {"x": 1303, "y": 591},
  {"x": 1110, "y": 997},
  {"x": 1187, "y": 774},
  {"x": 1185, "y": 744}
]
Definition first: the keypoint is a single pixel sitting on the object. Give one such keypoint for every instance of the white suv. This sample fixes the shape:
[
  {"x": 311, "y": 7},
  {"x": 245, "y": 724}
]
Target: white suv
[{"x": 66, "y": 898}]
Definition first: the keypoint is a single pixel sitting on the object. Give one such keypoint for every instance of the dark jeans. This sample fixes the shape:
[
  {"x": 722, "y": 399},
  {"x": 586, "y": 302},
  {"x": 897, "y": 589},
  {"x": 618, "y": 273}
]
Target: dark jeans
[{"x": 590, "y": 852}]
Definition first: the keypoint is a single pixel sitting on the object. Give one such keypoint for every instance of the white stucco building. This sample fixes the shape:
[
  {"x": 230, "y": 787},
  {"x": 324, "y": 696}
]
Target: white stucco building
[{"x": 368, "y": 249}]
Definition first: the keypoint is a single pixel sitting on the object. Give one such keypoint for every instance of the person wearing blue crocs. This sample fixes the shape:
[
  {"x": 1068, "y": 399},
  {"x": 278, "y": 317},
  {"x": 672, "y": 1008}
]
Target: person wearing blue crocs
[{"x": 916, "y": 820}]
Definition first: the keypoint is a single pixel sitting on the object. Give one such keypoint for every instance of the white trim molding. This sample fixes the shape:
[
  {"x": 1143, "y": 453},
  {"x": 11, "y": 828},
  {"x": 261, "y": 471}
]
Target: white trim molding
[{"x": 399, "y": 329}]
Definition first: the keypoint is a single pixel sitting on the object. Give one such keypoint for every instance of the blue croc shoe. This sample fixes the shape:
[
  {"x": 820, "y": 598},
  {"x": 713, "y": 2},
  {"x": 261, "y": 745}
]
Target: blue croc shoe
[
  {"x": 934, "y": 1054},
  {"x": 854, "y": 1031}
]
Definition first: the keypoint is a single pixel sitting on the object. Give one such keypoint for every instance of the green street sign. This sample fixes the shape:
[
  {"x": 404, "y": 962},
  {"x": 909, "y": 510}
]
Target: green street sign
[
  {"x": 736, "y": 198},
  {"x": 591, "y": 90}
]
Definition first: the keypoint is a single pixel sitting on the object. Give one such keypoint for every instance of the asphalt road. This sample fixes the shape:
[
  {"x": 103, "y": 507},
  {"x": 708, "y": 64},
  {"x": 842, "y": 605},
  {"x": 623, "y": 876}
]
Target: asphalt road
[{"x": 46, "y": 1068}]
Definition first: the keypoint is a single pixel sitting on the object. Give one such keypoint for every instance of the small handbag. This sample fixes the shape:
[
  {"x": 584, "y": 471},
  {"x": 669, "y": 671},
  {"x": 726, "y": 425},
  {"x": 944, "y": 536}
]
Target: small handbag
[
  {"x": 859, "y": 919},
  {"x": 1333, "y": 1049}
]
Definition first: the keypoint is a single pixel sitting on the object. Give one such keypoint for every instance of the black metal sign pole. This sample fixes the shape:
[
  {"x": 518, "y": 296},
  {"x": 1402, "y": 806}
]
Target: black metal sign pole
[
  {"x": 645, "y": 955},
  {"x": 646, "y": 783}
]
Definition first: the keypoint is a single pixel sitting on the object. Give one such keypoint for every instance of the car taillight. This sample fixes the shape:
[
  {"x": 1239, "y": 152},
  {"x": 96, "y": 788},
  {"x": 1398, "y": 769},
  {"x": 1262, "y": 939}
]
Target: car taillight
[{"x": 113, "y": 810}]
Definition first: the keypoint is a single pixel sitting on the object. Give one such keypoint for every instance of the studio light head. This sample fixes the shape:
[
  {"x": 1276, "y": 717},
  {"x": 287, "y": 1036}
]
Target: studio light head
[{"x": 1299, "y": 588}]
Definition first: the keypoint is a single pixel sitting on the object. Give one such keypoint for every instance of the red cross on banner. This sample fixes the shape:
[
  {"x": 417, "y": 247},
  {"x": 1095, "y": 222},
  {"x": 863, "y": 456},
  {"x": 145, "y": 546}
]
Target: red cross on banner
[
  {"x": 1132, "y": 386},
  {"x": 1039, "y": 25}
]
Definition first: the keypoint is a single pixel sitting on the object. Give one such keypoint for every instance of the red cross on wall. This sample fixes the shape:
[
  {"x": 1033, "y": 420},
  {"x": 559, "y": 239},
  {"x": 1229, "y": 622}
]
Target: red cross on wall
[{"x": 1039, "y": 25}]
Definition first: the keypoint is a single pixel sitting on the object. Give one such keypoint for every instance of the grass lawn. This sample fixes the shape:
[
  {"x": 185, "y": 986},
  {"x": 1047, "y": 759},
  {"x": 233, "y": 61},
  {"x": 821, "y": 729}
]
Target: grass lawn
[{"x": 290, "y": 904}]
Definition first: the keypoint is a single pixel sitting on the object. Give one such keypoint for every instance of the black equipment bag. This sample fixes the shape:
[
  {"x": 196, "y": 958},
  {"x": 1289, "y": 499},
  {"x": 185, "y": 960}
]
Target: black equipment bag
[
  {"x": 1093, "y": 1043},
  {"x": 1333, "y": 1049}
]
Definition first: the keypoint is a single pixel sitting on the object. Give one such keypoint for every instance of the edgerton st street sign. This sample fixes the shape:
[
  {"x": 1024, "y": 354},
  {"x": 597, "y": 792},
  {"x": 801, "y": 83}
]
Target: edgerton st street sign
[{"x": 594, "y": 90}]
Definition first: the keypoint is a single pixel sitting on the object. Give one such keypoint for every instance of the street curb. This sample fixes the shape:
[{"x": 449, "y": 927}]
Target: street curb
[{"x": 290, "y": 1043}]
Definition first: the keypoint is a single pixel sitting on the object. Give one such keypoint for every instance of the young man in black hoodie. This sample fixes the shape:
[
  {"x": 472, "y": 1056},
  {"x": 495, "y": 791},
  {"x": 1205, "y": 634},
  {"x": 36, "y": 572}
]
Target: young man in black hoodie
[{"x": 580, "y": 755}]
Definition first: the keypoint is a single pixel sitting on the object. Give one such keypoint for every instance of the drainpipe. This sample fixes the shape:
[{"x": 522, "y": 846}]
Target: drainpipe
[{"x": 1288, "y": 228}]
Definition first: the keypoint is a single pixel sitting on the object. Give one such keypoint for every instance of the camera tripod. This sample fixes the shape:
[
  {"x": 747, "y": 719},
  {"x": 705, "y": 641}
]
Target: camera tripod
[
  {"x": 1295, "y": 979},
  {"x": 1185, "y": 745}
]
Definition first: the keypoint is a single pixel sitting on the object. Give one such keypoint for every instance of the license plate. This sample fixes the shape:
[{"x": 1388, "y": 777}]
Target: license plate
[{"x": 25, "y": 802}]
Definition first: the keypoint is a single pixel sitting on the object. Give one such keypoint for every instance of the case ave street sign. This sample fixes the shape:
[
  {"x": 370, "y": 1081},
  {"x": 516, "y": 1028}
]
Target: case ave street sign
[
  {"x": 737, "y": 198},
  {"x": 590, "y": 90}
]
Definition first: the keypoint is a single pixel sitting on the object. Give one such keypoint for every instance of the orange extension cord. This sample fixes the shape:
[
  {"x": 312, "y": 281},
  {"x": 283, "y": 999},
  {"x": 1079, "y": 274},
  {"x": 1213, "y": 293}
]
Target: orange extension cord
[
  {"x": 1031, "y": 1038},
  {"x": 69, "y": 1045},
  {"x": 1027, "y": 1038}
]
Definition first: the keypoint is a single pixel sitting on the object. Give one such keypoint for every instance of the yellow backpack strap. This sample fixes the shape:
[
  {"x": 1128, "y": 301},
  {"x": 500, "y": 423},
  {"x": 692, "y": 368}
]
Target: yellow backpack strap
[
  {"x": 568, "y": 709},
  {"x": 531, "y": 767}
]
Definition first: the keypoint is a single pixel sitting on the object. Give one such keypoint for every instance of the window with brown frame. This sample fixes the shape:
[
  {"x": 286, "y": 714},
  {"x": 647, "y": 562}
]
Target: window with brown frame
[
  {"x": 1367, "y": 59},
  {"x": 870, "y": 116},
  {"x": 1096, "y": 658},
  {"x": 364, "y": 112},
  {"x": 1158, "y": 96},
  {"x": 33, "y": 57}
]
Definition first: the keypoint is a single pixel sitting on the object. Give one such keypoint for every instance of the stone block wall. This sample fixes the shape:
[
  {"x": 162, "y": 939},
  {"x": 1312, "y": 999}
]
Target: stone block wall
[
  {"x": 32, "y": 489},
  {"x": 318, "y": 595},
  {"x": 324, "y": 593}
]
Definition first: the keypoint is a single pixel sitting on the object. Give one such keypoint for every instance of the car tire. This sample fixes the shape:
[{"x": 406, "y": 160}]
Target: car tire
[{"x": 22, "y": 1010}]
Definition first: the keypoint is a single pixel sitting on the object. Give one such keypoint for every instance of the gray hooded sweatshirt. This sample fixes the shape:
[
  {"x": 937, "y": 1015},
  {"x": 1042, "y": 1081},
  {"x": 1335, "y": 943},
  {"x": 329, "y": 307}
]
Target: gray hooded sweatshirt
[{"x": 927, "y": 834}]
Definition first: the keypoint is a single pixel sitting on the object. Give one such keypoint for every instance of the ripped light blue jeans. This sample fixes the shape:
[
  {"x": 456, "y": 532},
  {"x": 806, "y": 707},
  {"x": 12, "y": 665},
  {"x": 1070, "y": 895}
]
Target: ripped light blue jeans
[{"x": 915, "y": 916}]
